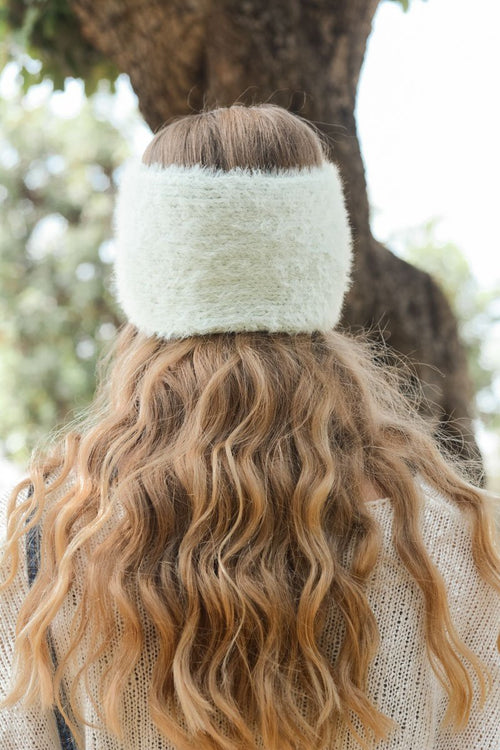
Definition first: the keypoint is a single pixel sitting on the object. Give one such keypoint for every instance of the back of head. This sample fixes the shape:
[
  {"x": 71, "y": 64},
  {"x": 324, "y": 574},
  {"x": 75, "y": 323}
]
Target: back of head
[
  {"x": 229, "y": 470},
  {"x": 234, "y": 221}
]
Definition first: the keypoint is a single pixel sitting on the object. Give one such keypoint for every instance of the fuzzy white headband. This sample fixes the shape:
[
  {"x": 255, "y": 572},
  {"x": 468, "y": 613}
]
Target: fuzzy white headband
[{"x": 200, "y": 250}]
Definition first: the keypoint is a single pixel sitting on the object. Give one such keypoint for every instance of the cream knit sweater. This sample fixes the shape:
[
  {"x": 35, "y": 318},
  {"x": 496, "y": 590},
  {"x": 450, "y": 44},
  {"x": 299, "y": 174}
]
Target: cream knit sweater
[{"x": 401, "y": 681}]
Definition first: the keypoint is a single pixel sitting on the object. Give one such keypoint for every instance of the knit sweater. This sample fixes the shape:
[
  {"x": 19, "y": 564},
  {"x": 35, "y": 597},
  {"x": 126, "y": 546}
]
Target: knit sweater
[{"x": 400, "y": 679}]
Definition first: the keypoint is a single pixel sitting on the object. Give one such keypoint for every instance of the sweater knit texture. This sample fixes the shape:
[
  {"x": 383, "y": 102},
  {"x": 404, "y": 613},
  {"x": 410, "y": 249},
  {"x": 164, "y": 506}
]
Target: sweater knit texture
[
  {"x": 201, "y": 250},
  {"x": 400, "y": 679}
]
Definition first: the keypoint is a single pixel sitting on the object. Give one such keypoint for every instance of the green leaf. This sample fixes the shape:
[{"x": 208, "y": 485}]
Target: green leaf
[
  {"x": 405, "y": 4},
  {"x": 51, "y": 33}
]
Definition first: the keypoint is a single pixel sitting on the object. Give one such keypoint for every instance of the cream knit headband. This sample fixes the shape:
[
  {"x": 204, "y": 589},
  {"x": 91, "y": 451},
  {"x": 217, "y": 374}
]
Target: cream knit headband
[{"x": 200, "y": 250}]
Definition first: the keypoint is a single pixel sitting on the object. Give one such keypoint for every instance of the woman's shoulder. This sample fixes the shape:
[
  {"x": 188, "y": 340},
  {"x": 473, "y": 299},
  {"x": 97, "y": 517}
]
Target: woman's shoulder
[
  {"x": 440, "y": 513},
  {"x": 447, "y": 530}
]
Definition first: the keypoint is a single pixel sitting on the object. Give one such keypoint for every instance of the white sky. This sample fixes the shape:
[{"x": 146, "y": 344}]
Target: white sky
[{"x": 428, "y": 115}]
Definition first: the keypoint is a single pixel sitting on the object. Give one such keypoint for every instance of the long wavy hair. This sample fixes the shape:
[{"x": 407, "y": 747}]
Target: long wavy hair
[{"x": 214, "y": 489}]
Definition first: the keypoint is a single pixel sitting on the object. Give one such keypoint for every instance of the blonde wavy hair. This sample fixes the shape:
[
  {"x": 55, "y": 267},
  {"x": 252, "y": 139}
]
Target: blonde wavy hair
[{"x": 240, "y": 461}]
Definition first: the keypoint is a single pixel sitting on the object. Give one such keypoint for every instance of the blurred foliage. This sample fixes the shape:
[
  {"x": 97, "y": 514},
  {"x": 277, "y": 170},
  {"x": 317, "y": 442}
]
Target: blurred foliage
[
  {"x": 477, "y": 310},
  {"x": 56, "y": 311},
  {"x": 49, "y": 31}
]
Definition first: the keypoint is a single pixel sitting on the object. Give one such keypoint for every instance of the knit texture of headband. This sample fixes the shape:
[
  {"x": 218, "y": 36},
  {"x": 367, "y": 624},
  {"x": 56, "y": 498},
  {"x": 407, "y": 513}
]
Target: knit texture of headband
[{"x": 201, "y": 250}]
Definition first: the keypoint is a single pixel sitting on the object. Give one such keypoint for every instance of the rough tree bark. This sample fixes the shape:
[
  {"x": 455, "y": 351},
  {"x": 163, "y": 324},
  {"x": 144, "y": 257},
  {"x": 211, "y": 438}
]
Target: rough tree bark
[{"x": 182, "y": 55}]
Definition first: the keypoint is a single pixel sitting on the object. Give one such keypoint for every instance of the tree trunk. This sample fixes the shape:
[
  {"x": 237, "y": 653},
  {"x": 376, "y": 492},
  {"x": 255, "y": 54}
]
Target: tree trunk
[{"x": 185, "y": 55}]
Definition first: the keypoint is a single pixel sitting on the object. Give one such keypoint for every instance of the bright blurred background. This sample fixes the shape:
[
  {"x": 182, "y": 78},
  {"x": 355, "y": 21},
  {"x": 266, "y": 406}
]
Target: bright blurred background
[{"x": 428, "y": 117}]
